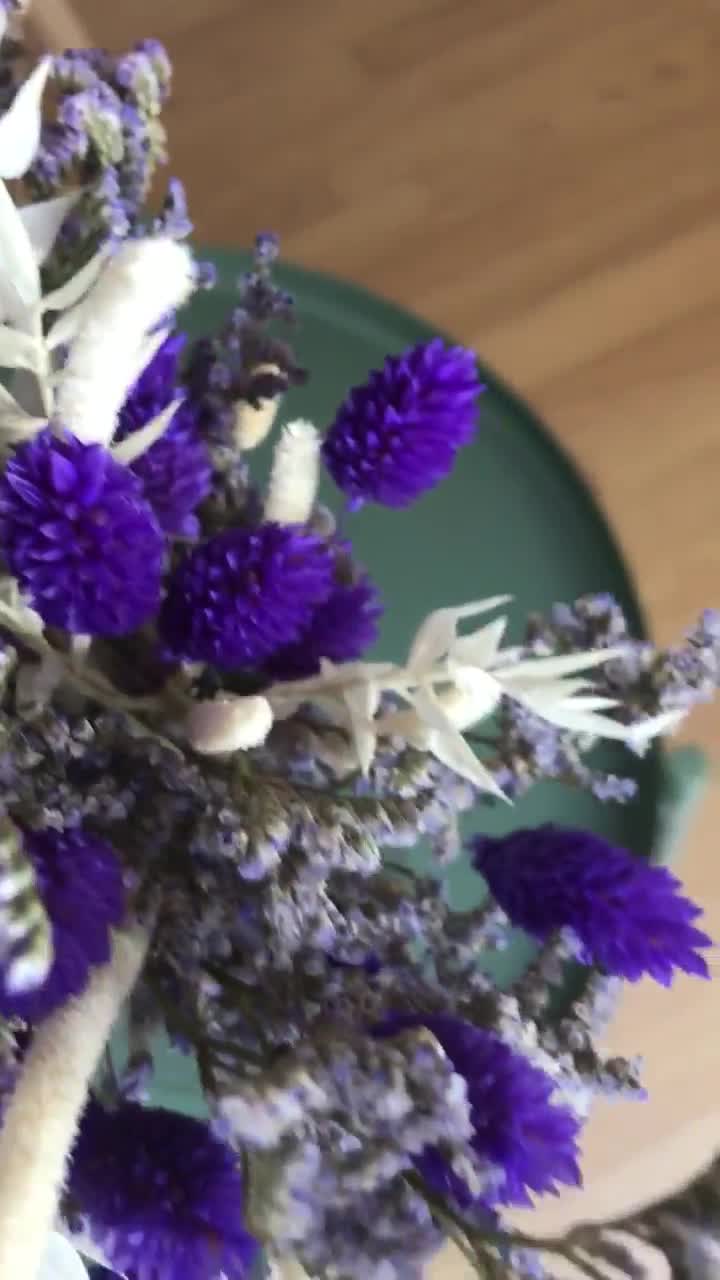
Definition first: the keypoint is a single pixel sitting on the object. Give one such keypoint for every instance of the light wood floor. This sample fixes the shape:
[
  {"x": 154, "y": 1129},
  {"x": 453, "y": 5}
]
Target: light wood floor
[{"x": 542, "y": 178}]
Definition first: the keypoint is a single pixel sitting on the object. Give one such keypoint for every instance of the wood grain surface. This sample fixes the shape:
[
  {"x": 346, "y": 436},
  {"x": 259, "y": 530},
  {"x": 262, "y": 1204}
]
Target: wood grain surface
[{"x": 541, "y": 178}]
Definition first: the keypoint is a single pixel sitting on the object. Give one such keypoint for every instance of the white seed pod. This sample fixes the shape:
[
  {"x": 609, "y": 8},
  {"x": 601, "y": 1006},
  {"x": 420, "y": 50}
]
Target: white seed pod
[
  {"x": 254, "y": 422},
  {"x": 295, "y": 474},
  {"x": 228, "y": 724}
]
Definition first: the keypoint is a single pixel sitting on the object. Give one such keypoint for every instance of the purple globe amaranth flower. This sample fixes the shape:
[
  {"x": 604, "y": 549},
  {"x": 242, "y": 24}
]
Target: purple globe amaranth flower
[
  {"x": 175, "y": 472},
  {"x": 80, "y": 882},
  {"x": 629, "y": 917},
  {"x": 343, "y": 627},
  {"x": 397, "y": 434},
  {"x": 79, "y": 536},
  {"x": 160, "y": 1195},
  {"x": 525, "y": 1141},
  {"x": 242, "y": 595}
]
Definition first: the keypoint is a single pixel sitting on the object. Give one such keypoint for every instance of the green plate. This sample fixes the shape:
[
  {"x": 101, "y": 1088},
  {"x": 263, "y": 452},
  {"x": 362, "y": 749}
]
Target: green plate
[{"x": 514, "y": 516}]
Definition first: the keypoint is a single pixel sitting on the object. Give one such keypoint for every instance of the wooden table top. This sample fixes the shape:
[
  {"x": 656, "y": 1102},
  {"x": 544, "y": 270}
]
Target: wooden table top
[{"x": 542, "y": 180}]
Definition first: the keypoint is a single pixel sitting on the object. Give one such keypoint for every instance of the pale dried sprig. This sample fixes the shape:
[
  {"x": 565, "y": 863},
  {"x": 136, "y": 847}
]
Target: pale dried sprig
[
  {"x": 26, "y": 236},
  {"x": 450, "y": 683}
]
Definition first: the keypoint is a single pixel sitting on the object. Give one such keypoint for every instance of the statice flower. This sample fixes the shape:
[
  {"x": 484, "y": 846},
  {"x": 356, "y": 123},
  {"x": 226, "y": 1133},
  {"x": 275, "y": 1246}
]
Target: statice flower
[
  {"x": 79, "y": 536},
  {"x": 388, "y": 1235},
  {"x": 629, "y": 917},
  {"x": 530, "y": 748},
  {"x": 398, "y": 434},
  {"x": 80, "y": 884},
  {"x": 175, "y": 472},
  {"x": 522, "y": 1140},
  {"x": 160, "y": 1195},
  {"x": 107, "y": 138},
  {"x": 645, "y": 680},
  {"x": 343, "y": 627},
  {"x": 241, "y": 596}
]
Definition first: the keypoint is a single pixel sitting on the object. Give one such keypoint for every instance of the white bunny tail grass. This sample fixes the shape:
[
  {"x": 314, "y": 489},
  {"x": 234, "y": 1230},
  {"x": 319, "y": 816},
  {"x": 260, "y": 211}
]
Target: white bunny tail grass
[
  {"x": 42, "y": 1115},
  {"x": 142, "y": 283},
  {"x": 295, "y": 474}
]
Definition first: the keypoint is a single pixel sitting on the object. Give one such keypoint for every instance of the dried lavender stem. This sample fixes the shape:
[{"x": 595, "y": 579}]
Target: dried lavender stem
[{"x": 43, "y": 1113}]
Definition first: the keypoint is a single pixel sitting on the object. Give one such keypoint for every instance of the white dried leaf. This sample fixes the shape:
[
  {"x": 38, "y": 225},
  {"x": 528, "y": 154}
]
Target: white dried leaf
[
  {"x": 19, "y": 275},
  {"x": 362, "y": 702},
  {"x": 43, "y": 219},
  {"x": 568, "y": 664},
  {"x": 19, "y": 350},
  {"x": 481, "y": 647},
  {"x": 77, "y": 286},
  {"x": 454, "y": 752},
  {"x": 21, "y": 124},
  {"x": 437, "y": 632},
  {"x": 473, "y": 696},
  {"x": 132, "y": 448}
]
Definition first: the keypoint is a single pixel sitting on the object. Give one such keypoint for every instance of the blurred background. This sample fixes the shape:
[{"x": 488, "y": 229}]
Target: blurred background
[{"x": 540, "y": 178}]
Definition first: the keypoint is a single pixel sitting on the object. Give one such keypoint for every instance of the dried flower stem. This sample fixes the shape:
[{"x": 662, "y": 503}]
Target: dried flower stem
[{"x": 43, "y": 1113}]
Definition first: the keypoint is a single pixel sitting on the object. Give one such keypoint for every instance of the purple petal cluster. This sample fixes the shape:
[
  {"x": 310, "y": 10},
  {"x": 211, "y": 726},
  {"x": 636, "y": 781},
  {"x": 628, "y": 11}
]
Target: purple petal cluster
[
  {"x": 81, "y": 885},
  {"x": 397, "y": 434},
  {"x": 630, "y": 918},
  {"x": 79, "y": 536},
  {"x": 528, "y": 1141},
  {"x": 343, "y": 627},
  {"x": 244, "y": 594},
  {"x": 175, "y": 472},
  {"x": 160, "y": 1195}
]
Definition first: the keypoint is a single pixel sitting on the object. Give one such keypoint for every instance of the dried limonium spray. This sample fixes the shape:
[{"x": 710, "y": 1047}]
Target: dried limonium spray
[{"x": 206, "y": 778}]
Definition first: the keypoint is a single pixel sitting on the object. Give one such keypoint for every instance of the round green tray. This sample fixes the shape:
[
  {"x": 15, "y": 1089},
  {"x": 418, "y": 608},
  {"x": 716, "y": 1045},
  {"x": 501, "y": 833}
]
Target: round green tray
[{"x": 514, "y": 516}]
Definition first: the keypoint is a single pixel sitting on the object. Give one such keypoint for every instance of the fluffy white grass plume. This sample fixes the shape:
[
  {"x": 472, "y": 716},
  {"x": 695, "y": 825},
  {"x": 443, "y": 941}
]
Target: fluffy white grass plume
[
  {"x": 295, "y": 474},
  {"x": 142, "y": 283},
  {"x": 41, "y": 1120}
]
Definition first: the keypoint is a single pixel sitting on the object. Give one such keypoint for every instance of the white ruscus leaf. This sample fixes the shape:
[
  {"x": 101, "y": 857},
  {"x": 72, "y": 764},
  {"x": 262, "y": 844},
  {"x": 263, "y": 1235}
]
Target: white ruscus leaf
[
  {"x": 43, "y": 219},
  {"x": 139, "y": 286},
  {"x": 19, "y": 275},
  {"x": 20, "y": 126},
  {"x": 138, "y": 442}
]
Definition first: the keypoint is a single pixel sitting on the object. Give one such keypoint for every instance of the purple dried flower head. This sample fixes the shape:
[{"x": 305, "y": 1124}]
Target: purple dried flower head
[
  {"x": 397, "y": 434},
  {"x": 629, "y": 917},
  {"x": 81, "y": 885},
  {"x": 79, "y": 536},
  {"x": 343, "y": 627},
  {"x": 160, "y": 1195},
  {"x": 241, "y": 596},
  {"x": 525, "y": 1141},
  {"x": 176, "y": 473}
]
